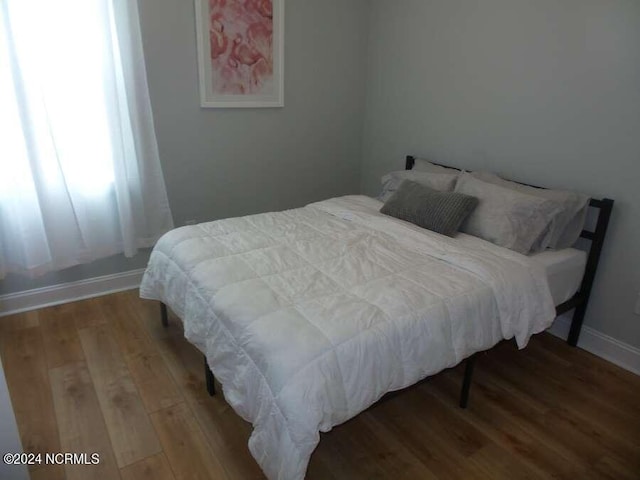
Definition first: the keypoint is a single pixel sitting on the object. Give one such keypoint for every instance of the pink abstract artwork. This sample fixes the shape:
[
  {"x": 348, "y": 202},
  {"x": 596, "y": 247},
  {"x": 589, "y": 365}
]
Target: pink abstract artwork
[{"x": 241, "y": 47}]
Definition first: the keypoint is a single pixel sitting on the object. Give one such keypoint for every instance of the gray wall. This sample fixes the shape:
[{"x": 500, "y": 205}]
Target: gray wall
[
  {"x": 230, "y": 162},
  {"x": 544, "y": 91}
]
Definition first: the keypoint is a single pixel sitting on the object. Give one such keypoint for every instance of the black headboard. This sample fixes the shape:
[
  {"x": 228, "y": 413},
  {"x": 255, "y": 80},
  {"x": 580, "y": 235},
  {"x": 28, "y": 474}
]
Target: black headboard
[{"x": 580, "y": 300}]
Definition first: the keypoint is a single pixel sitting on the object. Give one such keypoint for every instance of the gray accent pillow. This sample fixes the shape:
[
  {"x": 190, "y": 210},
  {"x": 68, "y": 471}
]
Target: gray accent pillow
[
  {"x": 506, "y": 217},
  {"x": 566, "y": 226},
  {"x": 440, "y": 212},
  {"x": 443, "y": 182}
]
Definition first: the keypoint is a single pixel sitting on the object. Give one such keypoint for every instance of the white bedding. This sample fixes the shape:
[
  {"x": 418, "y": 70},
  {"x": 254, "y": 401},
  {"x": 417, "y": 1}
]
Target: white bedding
[
  {"x": 564, "y": 269},
  {"x": 309, "y": 316}
]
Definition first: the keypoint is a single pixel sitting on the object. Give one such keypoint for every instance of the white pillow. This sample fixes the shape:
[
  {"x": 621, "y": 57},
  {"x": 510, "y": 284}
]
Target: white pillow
[
  {"x": 504, "y": 216},
  {"x": 424, "y": 165},
  {"x": 443, "y": 182},
  {"x": 567, "y": 224}
]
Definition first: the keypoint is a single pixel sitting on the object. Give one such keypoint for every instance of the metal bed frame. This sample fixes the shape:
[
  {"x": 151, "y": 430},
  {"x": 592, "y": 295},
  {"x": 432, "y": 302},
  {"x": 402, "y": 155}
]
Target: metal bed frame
[{"x": 578, "y": 302}]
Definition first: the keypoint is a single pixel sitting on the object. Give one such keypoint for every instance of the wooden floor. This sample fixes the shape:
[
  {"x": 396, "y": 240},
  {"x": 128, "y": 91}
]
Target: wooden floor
[{"x": 103, "y": 376}]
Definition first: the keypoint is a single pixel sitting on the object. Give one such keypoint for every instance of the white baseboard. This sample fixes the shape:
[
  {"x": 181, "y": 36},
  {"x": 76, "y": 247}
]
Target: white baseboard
[
  {"x": 69, "y": 292},
  {"x": 601, "y": 345}
]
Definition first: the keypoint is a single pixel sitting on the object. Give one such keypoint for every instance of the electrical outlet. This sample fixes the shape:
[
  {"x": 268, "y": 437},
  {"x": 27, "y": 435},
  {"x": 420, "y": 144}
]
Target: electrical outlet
[{"x": 637, "y": 309}]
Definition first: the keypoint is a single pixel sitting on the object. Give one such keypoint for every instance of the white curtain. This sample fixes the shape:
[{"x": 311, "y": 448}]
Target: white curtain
[{"x": 80, "y": 176}]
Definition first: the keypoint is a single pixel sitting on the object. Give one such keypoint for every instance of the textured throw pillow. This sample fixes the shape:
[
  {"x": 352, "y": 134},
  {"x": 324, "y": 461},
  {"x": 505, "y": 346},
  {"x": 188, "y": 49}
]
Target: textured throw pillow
[
  {"x": 443, "y": 182},
  {"x": 441, "y": 212},
  {"x": 566, "y": 226},
  {"x": 506, "y": 217}
]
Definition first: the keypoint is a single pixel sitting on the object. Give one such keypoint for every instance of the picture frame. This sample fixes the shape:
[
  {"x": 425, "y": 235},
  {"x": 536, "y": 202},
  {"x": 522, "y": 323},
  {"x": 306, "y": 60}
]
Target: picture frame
[{"x": 240, "y": 47}]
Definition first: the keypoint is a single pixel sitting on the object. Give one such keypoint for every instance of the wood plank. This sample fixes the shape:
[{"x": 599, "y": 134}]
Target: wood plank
[
  {"x": 151, "y": 468},
  {"x": 569, "y": 435},
  {"x": 597, "y": 381},
  {"x": 148, "y": 369},
  {"x": 335, "y": 455},
  {"x": 323, "y": 464},
  {"x": 123, "y": 319},
  {"x": 609, "y": 373},
  {"x": 537, "y": 449},
  {"x": 612, "y": 469},
  {"x": 88, "y": 313},
  {"x": 184, "y": 444},
  {"x": 60, "y": 336},
  {"x": 456, "y": 432},
  {"x": 155, "y": 384},
  {"x": 19, "y": 321},
  {"x": 455, "y": 445},
  {"x": 48, "y": 472},
  {"x": 148, "y": 312},
  {"x": 490, "y": 375},
  {"x": 441, "y": 441},
  {"x": 371, "y": 452},
  {"x": 578, "y": 414},
  {"x": 396, "y": 460},
  {"x": 227, "y": 433},
  {"x": 146, "y": 309},
  {"x": 130, "y": 430},
  {"x": 572, "y": 441},
  {"x": 496, "y": 463},
  {"x": 184, "y": 362},
  {"x": 81, "y": 424},
  {"x": 25, "y": 367}
]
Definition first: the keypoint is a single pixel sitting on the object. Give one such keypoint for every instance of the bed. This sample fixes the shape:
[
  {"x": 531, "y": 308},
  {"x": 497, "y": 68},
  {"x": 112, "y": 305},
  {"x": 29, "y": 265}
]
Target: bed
[{"x": 309, "y": 316}]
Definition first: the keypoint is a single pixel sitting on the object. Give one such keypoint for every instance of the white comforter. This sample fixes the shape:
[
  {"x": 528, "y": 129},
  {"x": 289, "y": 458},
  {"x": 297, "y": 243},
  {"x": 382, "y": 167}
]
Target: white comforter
[{"x": 309, "y": 316}]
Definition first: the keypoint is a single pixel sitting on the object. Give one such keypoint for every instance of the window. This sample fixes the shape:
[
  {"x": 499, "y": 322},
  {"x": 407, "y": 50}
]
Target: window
[{"x": 80, "y": 176}]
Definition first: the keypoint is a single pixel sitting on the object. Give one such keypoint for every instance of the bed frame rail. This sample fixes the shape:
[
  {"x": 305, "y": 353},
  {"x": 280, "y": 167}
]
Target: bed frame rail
[{"x": 581, "y": 299}]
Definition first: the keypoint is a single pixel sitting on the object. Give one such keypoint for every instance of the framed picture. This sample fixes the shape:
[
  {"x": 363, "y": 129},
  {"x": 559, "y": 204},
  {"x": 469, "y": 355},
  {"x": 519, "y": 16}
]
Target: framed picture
[{"x": 240, "y": 53}]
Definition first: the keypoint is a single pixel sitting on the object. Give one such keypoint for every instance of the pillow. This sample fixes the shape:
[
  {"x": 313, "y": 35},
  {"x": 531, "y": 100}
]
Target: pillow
[
  {"x": 504, "y": 216},
  {"x": 424, "y": 165},
  {"x": 440, "y": 212},
  {"x": 566, "y": 225},
  {"x": 443, "y": 182}
]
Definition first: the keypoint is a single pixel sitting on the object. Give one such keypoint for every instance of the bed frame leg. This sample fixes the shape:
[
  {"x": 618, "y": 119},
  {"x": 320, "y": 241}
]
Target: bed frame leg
[
  {"x": 163, "y": 315},
  {"x": 209, "y": 378},
  {"x": 576, "y": 324},
  {"x": 466, "y": 383}
]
